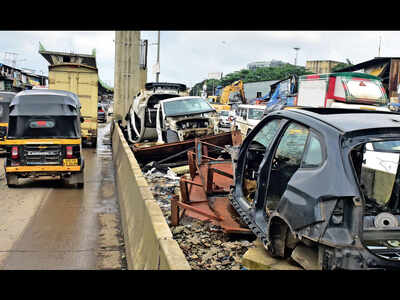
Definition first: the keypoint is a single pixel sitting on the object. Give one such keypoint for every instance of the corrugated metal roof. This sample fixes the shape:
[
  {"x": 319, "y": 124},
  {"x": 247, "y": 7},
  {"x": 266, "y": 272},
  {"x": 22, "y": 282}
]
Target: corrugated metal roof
[{"x": 366, "y": 64}]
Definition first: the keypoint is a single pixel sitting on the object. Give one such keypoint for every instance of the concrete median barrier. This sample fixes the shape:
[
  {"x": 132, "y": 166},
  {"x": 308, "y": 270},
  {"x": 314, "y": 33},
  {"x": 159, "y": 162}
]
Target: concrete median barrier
[{"x": 148, "y": 240}]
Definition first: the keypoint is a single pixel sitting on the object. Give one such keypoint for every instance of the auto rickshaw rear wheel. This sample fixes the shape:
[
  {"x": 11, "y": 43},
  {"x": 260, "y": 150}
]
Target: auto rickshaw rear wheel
[{"x": 12, "y": 180}]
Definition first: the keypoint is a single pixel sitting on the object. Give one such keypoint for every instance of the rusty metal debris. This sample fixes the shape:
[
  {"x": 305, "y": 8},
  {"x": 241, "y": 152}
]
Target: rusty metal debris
[
  {"x": 174, "y": 154},
  {"x": 204, "y": 195}
]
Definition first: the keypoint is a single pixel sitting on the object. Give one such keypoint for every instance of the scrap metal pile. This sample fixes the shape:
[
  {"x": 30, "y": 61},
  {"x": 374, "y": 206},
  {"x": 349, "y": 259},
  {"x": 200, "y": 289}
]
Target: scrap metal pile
[
  {"x": 191, "y": 181},
  {"x": 204, "y": 193}
]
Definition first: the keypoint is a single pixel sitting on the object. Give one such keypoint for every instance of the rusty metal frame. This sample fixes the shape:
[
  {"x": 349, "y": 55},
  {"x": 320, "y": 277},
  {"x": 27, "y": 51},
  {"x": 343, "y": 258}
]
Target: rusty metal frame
[{"x": 205, "y": 194}]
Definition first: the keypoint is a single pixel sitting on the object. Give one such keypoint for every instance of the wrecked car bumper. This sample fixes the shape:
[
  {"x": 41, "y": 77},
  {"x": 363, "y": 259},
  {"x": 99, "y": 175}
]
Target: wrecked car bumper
[{"x": 190, "y": 133}]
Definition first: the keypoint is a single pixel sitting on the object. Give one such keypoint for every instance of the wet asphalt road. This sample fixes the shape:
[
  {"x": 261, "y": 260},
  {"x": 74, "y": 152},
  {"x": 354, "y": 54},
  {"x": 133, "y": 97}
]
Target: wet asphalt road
[{"x": 65, "y": 229}]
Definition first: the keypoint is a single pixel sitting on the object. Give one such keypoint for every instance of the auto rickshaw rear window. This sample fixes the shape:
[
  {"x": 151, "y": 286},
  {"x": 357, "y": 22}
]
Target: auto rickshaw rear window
[{"x": 52, "y": 127}]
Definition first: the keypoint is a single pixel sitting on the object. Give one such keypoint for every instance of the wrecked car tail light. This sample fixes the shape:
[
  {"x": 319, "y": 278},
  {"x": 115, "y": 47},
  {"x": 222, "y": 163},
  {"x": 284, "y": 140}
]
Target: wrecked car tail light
[
  {"x": 69, "y": 152},
  {"x": 14, "y": 152}
]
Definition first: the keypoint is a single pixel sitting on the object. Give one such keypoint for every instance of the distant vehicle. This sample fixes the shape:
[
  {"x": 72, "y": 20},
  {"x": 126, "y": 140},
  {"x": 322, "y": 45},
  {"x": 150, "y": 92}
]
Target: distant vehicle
[
  {"x": 247, "y": 116},
  {"x": 142, "y": 115},
  {"x": 303, "y": 183},
  {"x": 44, "y": 137},
  {"x": 83, "y": 81},
  {"x": 101, "y": 113},
  {"x": 226, "y": 118},
  {"x": 5, "y": 100},
  {"x": 332, "y": 90},
  {"x": 382, "y": 156},
  {"x": 231, "y": 96},
  {"x": 184, "y": 118},
  {"x": 110, "y": 110}
]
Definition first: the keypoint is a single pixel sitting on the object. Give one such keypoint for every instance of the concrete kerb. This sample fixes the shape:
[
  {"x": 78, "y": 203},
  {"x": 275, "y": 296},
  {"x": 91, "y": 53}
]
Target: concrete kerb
[{"x": 148, "y": 240}]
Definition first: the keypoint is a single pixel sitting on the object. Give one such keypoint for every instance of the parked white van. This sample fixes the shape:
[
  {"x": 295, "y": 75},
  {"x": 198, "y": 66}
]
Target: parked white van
[{"x": 248, "y": 116}]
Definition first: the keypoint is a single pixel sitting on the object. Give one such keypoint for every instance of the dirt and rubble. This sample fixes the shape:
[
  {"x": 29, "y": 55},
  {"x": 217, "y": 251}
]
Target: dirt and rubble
[{"x": 204, "y": 244}]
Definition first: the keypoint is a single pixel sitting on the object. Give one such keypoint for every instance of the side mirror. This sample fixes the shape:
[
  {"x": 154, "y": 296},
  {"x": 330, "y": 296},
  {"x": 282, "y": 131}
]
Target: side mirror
[{"x": 82, "y": 119}]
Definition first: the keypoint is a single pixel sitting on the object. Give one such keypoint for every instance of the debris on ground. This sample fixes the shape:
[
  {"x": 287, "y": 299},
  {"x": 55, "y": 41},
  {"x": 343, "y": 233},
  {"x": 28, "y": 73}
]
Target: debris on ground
[{"x": 205, "y": 245}]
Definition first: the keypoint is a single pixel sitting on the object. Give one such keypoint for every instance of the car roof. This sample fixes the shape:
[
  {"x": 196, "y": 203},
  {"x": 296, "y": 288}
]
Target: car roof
[
  {"x": 347, "y": 120},
  {"x": 178, "y": 98}
]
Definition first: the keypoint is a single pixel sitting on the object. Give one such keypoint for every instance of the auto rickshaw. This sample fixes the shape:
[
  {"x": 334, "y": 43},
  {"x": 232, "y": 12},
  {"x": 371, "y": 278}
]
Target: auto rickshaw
[
  {"x": 44, "y": 137},
  {"x": 5, "y": 100}
]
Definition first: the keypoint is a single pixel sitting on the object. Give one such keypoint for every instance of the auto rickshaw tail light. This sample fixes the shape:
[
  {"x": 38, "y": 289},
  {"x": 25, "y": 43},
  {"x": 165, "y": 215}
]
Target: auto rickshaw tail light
[
  {"x": 69, "y": 152},
  {"x": 14, "y": 152}
]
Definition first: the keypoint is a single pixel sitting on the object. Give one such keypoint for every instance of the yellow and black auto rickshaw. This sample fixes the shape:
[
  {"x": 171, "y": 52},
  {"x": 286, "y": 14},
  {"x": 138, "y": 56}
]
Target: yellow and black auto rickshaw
[
  {"x": 5, "y": 100},
  {"x": 44, "y": 137}
]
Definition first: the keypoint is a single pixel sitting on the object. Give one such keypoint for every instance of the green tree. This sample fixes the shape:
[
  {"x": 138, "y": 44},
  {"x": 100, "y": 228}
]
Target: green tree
[{"x": 259, "y": 74}]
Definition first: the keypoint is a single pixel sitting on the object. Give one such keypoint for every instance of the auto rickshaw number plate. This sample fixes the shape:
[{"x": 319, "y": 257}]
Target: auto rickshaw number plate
[{"x": 70, "y": 162}]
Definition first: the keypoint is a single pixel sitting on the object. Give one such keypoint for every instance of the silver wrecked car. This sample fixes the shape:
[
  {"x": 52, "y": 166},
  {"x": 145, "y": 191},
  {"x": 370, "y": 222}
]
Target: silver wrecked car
[{"x": 184, "y": 118}]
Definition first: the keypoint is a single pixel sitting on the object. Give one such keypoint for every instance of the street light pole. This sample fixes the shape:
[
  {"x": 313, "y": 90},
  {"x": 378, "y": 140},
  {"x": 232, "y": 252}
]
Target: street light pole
[
  {"x": 295, "y": 60},
  {"x": 158, "y": 58}
]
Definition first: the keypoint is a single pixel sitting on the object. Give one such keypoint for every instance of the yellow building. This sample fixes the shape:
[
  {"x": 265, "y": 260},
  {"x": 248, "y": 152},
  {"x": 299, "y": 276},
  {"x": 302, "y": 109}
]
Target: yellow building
[{"x": 321, "y": 66}]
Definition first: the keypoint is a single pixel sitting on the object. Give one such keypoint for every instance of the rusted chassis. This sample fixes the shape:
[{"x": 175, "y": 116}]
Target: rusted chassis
[
  {"x": 303, "y": 214},
  {"x": 158, "y": 153}
]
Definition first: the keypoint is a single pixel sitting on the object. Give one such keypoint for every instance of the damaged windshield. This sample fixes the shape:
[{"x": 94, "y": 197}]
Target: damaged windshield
[
  {"x": 186, "y": 106},
  {"x": 255, "y": 113},
  {"x": 224, "y": 113}
]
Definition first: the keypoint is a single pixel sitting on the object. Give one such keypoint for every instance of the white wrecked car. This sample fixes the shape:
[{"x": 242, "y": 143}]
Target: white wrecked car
[
  {"x": 184, "y": 118},
  {"x": 141, "y": 117}
]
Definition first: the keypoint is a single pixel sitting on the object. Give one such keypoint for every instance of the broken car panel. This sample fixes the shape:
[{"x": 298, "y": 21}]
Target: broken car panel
[{"x": 302, "y": 179}]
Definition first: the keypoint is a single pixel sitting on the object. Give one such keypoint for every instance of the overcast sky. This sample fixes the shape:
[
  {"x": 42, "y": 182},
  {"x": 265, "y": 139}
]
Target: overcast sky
[{"x": 188, "y": 56}]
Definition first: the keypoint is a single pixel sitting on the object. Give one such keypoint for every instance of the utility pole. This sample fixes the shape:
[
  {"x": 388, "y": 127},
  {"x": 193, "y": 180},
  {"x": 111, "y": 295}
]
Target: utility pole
[
  {"x": 295, "y": 60},
  {"x": 158, "y": 58},
  {"x": 379, "y": 47}
]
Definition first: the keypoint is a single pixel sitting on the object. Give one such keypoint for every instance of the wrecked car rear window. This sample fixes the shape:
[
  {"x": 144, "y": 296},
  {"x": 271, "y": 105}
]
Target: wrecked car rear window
[
  {"x": 267, "y": 133},
  {"x": 255, "y": 114},
  {"x": 313, "y": 157},
  {"x": 293, "y": 142}
]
